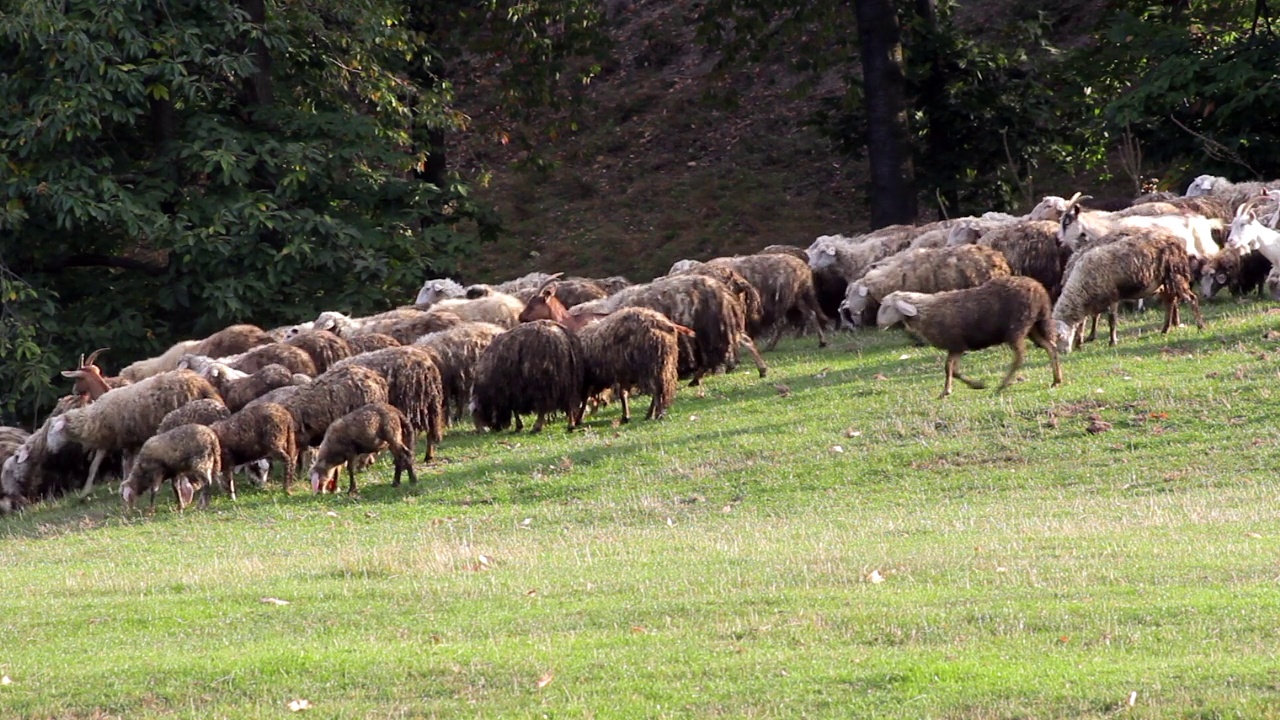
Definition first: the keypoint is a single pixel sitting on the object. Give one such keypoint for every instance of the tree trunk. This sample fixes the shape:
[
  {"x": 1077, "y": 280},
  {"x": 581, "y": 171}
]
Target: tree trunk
[
  {"x": 257, "y": 88},
  {"x": 932, "y": 101},
  {"x": 893, "y": 194}
]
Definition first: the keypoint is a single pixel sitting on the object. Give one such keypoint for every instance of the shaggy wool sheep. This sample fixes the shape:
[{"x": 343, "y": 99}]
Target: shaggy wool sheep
[
  {"x": 260, "y": 431},
  {"x": 455, "y": 352},
  {"x": 433, "y": 291},
  {"x": 632, "y": 350},
  {"x": 188, "y": 455},
  {"x": 537, "y": 368},
  {"x": 143, "y": 369},
  {"x": 205, "y": 411},
  {"x": 331, "y": 395},
  {"x": 414, "y": 387},
  {"x": 368, "y": 342},
  {"x": 1003, "y": 310},
  {"x": 785, "y": 286},
  {"x": 368, "y": 429},
  {"x": 1241, "y": 271},
  {"x": 324, "y": 347},
  {"x": 232, "y": 340}
]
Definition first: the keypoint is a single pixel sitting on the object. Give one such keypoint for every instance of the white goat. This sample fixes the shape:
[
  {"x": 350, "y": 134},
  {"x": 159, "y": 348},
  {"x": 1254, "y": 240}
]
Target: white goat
[
  {"x": 1250, "y": 232},
  {"x": 1078, "y": 226}
]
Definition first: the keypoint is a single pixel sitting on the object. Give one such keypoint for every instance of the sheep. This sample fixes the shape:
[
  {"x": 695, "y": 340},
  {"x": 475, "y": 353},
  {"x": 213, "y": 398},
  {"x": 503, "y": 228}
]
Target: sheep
[
  {"x": 206, "y": 411},
  {"x": 294, "y": 358},
  {"x": 785, "y": 285},
  {"x": 633, "y": 349},
  {"x": 259, "y": 431},
  {"x": 851, "y": 259},
  {"x": 455, "y": 352},
  {"x": 745, "y": 292},
  {"x": 936, "y": 238},
  {"x": 536, "y": 367},
  {"x": 1242, "y": 271},
  {"x": 1003, "y": 310},
  {"x": 403, "y": 324},
  {"x": 126, "y": 417},
  {"x": 345, "y": 326},
  {"x": 414, "y": 387},
  {"x": 232, "y": 340},
  {"x": 1271, "y": 286},
  {"x": 34, "y": 470},
  {"x": 1139, "y": 263},
  {"x": 241, "y": 391},
  {"x": 11, "y": 438},
  {"x": 498, "y": 308},
  {"x": 279, "y": 395},
  {"x": 165, "y": 362},
  {"x": 368, "y": 342},
  {"x": 1234, "y": 194},
  {"x": 434, "y": 291},
  {"x": 1050, "y": 207},
  {"x": 792, "y": 250},
  {"x": 188, "y": 455},
  {"x": 704, "y": 305},
  {"x": 367, "y": 429},
  {"x": 324, "y": 347},
  {"x": 524, "y": 283},
  {"x": 1032, "y": 249},
  {"x": 330, "y": 396},
  {"x": 921, "y": 271},
  {"x": 1078, "y": 225}
]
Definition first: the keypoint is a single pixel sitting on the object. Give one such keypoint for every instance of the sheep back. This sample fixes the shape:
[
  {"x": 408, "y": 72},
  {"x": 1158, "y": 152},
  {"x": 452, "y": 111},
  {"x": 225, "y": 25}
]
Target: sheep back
[
  {"x": 233, "y": 340},
  {"x": 414, "y": 384},
  {"x": 535, "y": 367},
  {"x": 205, "y": 411},
  {"x": 324, "y": 347},
  {"x": 331, "y": 395}
]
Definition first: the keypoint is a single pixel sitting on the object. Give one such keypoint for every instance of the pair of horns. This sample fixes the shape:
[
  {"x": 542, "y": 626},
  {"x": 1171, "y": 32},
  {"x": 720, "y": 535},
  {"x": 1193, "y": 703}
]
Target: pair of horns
[
  {"x": 92, "y": 357},
  {"x": 1249, "y": 204},
  {"x": 1077, "y": 199},
  {"x": 548, "y": 282}
]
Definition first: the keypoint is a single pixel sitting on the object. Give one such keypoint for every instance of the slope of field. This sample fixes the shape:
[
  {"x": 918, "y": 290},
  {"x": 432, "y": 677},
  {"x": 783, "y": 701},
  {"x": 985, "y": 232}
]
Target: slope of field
[{"x": 829, "y": 541}]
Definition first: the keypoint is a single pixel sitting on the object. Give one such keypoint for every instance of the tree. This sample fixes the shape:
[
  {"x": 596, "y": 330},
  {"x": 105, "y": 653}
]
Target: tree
[{"x": 893, "y": 192}]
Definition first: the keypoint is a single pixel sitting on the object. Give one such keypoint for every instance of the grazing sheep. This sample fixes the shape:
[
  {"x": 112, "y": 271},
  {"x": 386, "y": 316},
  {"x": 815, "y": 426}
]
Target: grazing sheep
[
  {"x": 455, "y": 352},
  {"x": 232, "y": 340},
  {"x": 929, "y": 270},
  {"x": 143, "y": 369},
  {"x": 126, "y": 417},
  {"x": 292, "y": 357},
  {"x": 240, "y": 392},
  {"x": 433, "y": 291},
  {"x": 330, "y": 396},
  {"x": 324, "y": 347},
  {"x": 785, "y": 285},
  {"x": 205, "y": 411},
  {"x": 745, "y": 292},
  {"x": 632, "y": 350},
  {"x": 368, "y": 429},
  {"x": 188, "y": 455},
  {"x": 11, "y": 438},
  {"x": 1241, "y": 271},
  {"x": 1233, "y": 194},
  {"x": 414, "y": 387},
  {"x": 1271, "y": 286},
  {"x": 403, "y": 324},
  {"x": 1032, "y": 249},
  {"x": 279, "y": 395},
  {"x": 260, "y": 431},
  {"x": 536, "y": 367},
  {"x": 1003, "y": 310},
  {"x": 34, "y": 471},
  {"x": 368, "y": 342},
  {"x": 1139, "y": 263}
]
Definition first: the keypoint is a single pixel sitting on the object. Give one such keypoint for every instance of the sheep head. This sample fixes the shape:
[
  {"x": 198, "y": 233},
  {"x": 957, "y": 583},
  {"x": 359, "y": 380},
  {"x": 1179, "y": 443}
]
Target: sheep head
[
  {"x": 1206, "y": 184},
  {"x": 57, "y": 438},
  {"x": 1050, "y": 207},
  {"x": 684, "y": 266},
  {"x": 1247, "y": 231},
  {"x": 856, "y": 299},
  {"x": 439, "y": 289},
  {"x": 963, "y": 233},
  {"x": 331, "y": 321},
  {"x": 896, "y": 307},
  {"x": 1066, "y": 336},
  {"x": 822, "y": 253}
]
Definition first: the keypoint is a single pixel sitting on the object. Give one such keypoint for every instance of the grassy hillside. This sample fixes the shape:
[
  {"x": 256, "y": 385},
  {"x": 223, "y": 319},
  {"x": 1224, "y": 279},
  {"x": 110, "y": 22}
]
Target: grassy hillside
[{"x": 829, "y": 541}]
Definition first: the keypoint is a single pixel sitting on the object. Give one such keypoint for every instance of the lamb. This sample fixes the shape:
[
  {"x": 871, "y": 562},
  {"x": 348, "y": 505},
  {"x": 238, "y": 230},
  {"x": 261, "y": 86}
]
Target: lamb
[
  {"x": 165, "y": 362},
  {"x": 188, "y": 455},
  {"x": 434, "y": 291},
  {"x": 240, "y": 392},
  {"x": 921, "y": 271},
  {"x": 1242, "y": 271},
  {"x": 260, "y": 431},
  {"x": 232, "y": 340},
  {"x": 324, "y": 347},
  {"x": 1003, "y": 310},
  {"x": 368, "y": 429},
  {"x": 126, "y": 417},
  {"x": 1140, "y": 263},
  {"x": 455, "y": 352},
  {"x": 536, "y": 367},
  {"x": 330, "y": 396},
  {"x": 413, "y": 386},
  {"x": 368, "y": 342}
]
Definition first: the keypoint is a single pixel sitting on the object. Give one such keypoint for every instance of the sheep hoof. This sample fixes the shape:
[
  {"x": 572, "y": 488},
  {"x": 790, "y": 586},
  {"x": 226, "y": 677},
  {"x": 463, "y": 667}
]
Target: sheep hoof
[{"x": 764, "y": 371}]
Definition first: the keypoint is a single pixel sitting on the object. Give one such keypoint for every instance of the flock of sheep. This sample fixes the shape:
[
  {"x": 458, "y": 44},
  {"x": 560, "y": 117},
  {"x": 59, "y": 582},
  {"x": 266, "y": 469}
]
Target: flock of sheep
[{"x": 344, "y": 388}]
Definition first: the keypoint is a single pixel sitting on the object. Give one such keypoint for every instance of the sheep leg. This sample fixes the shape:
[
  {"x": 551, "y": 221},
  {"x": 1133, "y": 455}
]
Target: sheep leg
[
  {"x": 1195, "y": 308},
  {"x": 626, "y": 405},
  {"x": 955, "y": 370},
  {"x": 230, "y": 483},
  {"x": 1093, "y": 331},
  {"x": 430, "y": 453},
  {"x": 351, "y": 477},
  {"x": 1019, "y": 350},
  {"x": 948, "y": 368},
  {"x": 1039, "y": 338},
  {"x": 93, "y": 473},
  {"x": 542, "y": 420},
  {"x": 1111, "y": 325},
  {"x": 775, "y": 334},
  {"x": 745, "y": 342}
]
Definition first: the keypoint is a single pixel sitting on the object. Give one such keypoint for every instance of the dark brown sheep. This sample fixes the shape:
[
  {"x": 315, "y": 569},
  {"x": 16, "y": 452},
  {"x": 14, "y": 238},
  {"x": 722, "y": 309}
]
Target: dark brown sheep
[
  {"x": 633, "y": 350},
  {"x": 205, "y": 411},
  {"x": 537, "y": 368},
  {"x": 365, "y": 430},
  {"x": 1032, "y": 250},
  {"x": 292, "y": 357},
  {"x": 414, "y": 387},
  {"x": 240, "y": 392},
  {"x": 368, "y": 342},
  {"x": 188, "y": 455},
  {"x": 259, "y": 431},
  {"x": 324, "y": 347},
  {"x": 232, "y": 340},
  {"x": 330, "y": 396},
  {"x": 785, "y": 285},
  {"x": 455, "y": 352},
  {"x": 1001, "y": 311},
  {"x": 1239, "y": 270}
]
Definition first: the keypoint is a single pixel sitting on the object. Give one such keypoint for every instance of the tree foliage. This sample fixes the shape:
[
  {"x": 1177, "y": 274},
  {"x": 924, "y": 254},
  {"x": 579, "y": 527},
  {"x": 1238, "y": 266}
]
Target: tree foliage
[{"x": 174, "y": 167}]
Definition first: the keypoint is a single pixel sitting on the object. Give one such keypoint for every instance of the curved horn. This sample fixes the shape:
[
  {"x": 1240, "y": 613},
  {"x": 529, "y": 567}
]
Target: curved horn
[
  {"x": 92, "y": 356},
  {"x": 1072, "y": 201},
  {"x": 548, "y": 281}
]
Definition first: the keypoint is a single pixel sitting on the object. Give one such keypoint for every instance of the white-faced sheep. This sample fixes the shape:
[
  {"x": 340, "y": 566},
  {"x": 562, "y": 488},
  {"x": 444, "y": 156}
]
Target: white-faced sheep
[
  {"x": 163, "y": 363},
  {"x": 34, "y": 471},
  {"x": 126, "y": 417},
  {"x": 852, "y": 258},
  {"x": 1234, "y": 194},
  {"x": 433, "y": 291},
  {"x": 1139, "y": 264},
  {"x": 537, "y": 368},
  {"x": 455, "y": 352},
  {"x": 414, "y": 386},
  {"x": 324, "y": 347},
  {"x": 188, "y": 455},
  {"x": 403, "y": 324},
  {"x": 1001, "y": 311},
  {"x": 929, "y": 270},
  {"x": 260, "y": 431},
  {"x": 365, "y": 430}
]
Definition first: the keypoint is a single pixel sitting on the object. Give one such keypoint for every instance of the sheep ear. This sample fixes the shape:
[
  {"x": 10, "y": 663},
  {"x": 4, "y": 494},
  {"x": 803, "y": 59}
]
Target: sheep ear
[
  {"x": 862, "y": 291},
  {"x": 906, "y": 308},
  {"x": 23, "y": 454},
  {"x": 1222, "y": 279},
  {"x": 73, "y": 373}
]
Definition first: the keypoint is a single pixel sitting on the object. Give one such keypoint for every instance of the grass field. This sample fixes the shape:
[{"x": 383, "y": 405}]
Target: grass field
[{"x": 830, "y": 541}]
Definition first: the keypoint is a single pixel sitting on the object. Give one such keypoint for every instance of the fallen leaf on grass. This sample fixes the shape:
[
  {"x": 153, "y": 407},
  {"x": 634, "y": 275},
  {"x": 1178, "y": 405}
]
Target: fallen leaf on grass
[
  {"x": 273, "y": 601},
  {"x": 823, "y": 372},
  {"x": 851, "y": 433},
  {"x": 638, "y": 630},
  {"x": 6, "y": 680},
  {"x": 837, "y": 449},
  {"x": 332, "y": 514},
  {"x": 1133, "y": 698},
  {"x": 485, "y": 560},
  {"x": 1097, "y": 426},
  {"x": 693, "y": 418},
  {"x": 526, "y": 522},
  {"x": 1001, "y": 569},
  {"x": 531, "y": 593},
  {"x": 874, "y": 577},
  {"x": 1253, "y": 535},
  {"x": 545, "y": 680},
  {"x": 879, "y": 376},
  {"x": 904, "y": 357},
  {"x": 783, "y": 390},
  {"x": 299, "y": 705}
]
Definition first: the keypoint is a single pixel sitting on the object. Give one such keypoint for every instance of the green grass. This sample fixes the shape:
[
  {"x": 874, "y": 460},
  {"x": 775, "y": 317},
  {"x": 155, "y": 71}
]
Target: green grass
[{"x": 721, "y": 562}]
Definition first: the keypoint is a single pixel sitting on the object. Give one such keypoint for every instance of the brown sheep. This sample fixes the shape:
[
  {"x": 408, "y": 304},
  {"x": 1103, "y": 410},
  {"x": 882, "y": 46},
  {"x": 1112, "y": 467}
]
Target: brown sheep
[
  {"x": 633, "y": 350},
  {"x": 414, "y": 387},
  {"x": 925, "y": 270},
  {"x": 455, "y": 352},
  {"x": 324, "y": 347},
  {"x": 232, "y": 340},
  {"x": 1242, "y": 271},
  {"x": 260, "y": 431},
  {"x": 292, "y": 357},
  {"x": 206, "y": 411},
  {"x": 792, "y": 250},
  {"x": 330, "y": 396},
  {"x": 1032, "y": 250},
  {"x": 188, "y": 455},
  {"x": 1003, "y": 310},
  {"x": 368, "y": 342},
  {"x": 241, "y": 391},
  {"x": 536, "y": 367},
  {"x": 368, "y": 429}
]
